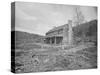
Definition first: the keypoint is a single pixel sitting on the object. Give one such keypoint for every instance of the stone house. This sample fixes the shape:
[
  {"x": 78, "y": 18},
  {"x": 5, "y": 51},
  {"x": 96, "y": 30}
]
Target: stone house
[{"x": 60, "y": 35}]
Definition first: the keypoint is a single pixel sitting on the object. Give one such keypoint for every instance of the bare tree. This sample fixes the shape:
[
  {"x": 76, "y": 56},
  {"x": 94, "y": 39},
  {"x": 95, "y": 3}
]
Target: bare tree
[{"x": 78, "y": 17}]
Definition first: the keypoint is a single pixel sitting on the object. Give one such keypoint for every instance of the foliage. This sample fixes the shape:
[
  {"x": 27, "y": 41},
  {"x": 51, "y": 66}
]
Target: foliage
[{"x": 85, "y": 31}]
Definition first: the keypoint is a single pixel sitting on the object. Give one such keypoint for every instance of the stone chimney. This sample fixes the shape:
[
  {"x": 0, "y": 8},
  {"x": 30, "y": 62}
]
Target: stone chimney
[
  {"x": 65, "y": 35},
  {"x": 70, "y": 32}
]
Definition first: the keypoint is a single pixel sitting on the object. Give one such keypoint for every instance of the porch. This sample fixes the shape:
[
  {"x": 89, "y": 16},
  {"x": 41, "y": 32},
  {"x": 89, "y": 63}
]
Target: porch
[{"x": 53, "y": 40}]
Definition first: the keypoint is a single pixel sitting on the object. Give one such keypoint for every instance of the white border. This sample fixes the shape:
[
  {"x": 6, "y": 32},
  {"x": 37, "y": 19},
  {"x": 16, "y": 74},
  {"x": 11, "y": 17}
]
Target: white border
[{"x": 5, "y": 27}]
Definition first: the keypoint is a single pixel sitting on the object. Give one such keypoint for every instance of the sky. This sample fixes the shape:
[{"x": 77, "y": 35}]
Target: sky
[{"x": 39, "y": 18}]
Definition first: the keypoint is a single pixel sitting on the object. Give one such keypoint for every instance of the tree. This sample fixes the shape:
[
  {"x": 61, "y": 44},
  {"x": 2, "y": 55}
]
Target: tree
[{"x": 78, "y": 17}]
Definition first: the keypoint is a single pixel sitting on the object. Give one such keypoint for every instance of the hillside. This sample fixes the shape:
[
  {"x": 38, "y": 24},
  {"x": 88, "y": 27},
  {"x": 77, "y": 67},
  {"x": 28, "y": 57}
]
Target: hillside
[
  {"x": 23, "y": 38},
  {"x": 86, "y": 31}
]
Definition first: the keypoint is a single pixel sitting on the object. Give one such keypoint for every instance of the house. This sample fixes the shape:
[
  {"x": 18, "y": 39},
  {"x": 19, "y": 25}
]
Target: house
[{"x": 60, "y": 35}]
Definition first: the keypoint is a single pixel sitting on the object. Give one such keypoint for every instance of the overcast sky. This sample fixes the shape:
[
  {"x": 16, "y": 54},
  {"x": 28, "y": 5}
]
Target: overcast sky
[{"x": 38, "y": 18}]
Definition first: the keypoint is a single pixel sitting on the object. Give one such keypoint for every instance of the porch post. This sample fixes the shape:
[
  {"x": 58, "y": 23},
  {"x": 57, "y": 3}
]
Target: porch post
[
  {"x": 55, "y": 40},
  {"x": 50, "y": 40}
]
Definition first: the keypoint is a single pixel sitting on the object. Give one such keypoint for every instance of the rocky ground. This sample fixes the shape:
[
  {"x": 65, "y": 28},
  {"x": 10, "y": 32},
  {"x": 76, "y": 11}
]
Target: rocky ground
[{"x": 83, "y": 56}]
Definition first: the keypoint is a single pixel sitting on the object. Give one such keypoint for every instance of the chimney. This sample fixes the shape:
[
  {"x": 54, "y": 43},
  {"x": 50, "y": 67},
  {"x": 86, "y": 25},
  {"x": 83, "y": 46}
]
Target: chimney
[{"x": 70, "y": 32}]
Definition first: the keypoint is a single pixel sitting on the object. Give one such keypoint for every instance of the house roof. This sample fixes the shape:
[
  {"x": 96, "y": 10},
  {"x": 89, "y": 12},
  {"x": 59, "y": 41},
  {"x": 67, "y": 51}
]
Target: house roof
[
  {"x": 58, "y": 35},
  {"x": 57, "y": 28}
]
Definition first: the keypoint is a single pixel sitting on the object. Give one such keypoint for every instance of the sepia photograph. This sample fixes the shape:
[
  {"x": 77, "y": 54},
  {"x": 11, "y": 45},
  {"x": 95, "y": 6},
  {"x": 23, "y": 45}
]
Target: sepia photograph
[{"x": 53, "y": 37}]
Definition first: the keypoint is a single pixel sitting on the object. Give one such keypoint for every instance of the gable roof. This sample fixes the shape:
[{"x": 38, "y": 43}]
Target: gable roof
[{"x": 57, "y": 28}]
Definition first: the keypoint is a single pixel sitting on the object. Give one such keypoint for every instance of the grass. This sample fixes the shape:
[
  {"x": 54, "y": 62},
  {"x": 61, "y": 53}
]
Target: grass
[{"x": 40, "y": 61}]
